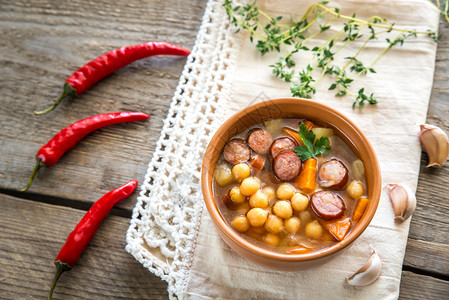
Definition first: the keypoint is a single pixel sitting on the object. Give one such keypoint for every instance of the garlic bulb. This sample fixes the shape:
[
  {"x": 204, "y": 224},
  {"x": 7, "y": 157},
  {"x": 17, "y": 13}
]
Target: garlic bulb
[
  {"x": 403, "y": 201},
  {"x": 435, "y": 141},
  {"x": 368, "y": 273}
]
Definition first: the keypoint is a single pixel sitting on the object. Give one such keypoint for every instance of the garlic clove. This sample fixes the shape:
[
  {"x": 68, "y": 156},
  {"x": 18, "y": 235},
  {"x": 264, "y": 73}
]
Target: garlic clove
[
  {"x": 436, "y": 143},
  {"x": 368, "y": 273},
  {"x": 403, "y": 201}
]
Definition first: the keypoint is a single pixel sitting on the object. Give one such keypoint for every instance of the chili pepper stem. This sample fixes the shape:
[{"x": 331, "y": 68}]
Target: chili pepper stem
[
  {"x": 68, "y": 91},
  {"x": 60, "y": 268},
  {"x": 38, "y": 165}
]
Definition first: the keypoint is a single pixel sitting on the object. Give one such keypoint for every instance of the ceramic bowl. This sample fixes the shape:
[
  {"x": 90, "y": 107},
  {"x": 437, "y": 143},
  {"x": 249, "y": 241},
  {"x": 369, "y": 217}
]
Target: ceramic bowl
[{"x": 287, "y": 108}]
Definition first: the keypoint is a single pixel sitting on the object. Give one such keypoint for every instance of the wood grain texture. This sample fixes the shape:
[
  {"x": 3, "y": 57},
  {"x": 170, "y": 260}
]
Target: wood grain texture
[
  {"x": 32, "y": 235},
  {"x": 44, "y": 43},
  {"x": 428, "y": 243},
  {"x": 415, "y": 286}
]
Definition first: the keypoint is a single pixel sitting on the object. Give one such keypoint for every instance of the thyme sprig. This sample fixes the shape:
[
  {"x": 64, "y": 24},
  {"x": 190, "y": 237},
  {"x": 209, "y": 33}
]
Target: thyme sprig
[
  {"x": 271, "y": 35},
  {"x": 443, "y": 7}
]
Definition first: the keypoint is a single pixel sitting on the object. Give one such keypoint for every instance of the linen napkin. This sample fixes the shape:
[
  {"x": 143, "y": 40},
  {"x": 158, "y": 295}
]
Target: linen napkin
[{"x": 232, "y": 74}]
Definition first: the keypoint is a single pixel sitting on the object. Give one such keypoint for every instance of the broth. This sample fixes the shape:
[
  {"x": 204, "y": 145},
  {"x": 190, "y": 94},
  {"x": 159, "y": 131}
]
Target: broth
[{"x": 308, "y": 227}]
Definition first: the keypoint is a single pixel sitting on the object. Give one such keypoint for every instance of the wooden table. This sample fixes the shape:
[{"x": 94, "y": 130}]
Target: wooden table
[{"x": 42, "y": 43}]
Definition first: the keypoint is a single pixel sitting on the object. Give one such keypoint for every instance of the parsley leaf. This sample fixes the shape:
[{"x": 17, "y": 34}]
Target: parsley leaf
[
  {"x": 322, "y": 146},
  {"x": 311, "y": 147},
  {"x": 303, "y": 153}
]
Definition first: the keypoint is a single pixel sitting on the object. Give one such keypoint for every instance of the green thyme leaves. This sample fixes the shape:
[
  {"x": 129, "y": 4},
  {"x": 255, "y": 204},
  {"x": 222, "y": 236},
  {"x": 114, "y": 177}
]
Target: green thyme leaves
[{"x": 309, "y": 48}]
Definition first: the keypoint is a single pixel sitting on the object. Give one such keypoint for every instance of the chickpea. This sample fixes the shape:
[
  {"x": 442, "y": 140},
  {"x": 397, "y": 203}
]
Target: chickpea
[
  {"x": 241, "y": 171},
  {"x": 283, "y": 209},
  {"x": 255, "y": 232},
  {"x": 305, "y": 217},
  {"x": 292, "y": 224},
  {"x": 258, "y": 230},
  {"x": 299, "y": 202},
  {"x": 223, "y": 176},
  {"x": 243, "y": 208},
  {"x": 236, "y": 196},
  {"x": 259, "y": 199},
  {"x": 257, "y": 216},
  {"x": 274, "y": 224},
  {"x": 249, "y": 186},
  {"x": 314, "y": 230},
  {"x": 269, "y": 191},
  {"x": 271, "y": 239},
  {"x": 285, "y": 191},
  {"x": 358, "y": 169},
  {"x": 240, "y": 223},
  {"x": 355, "y": 189},
  {"x": 261, "y": 183}
]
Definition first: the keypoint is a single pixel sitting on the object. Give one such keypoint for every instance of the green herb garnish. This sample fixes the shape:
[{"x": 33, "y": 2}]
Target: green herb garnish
[
  {"x": 312, "y": 45},
  {"x": 311, "y": 147},
  {"x": 443, "y": 7}
]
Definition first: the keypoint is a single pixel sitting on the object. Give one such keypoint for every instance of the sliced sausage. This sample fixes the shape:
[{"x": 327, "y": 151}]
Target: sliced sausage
[
  {"x": 283, "y": 143},
  {"x": 227, "y": 200},
  {"x": 287, "y": 165},
  {"x": 236, "y": 151},
  {"x": 257, "y": 163},
  {"x": 260, "y": 141},
  {"x": 333, "y": 174},
  {"x": 327, "y": 205}
]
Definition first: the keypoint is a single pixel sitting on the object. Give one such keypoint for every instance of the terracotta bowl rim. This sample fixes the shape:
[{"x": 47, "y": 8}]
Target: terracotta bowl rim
[{"x": 218, "y": 220}]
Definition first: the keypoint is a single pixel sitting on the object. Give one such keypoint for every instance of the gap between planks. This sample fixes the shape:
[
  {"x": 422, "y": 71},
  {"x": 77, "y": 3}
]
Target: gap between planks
[
  {"x": 425, "y": 272},
  {"x": 127, "y": 214},
  {"x": 76, "y": 204}
]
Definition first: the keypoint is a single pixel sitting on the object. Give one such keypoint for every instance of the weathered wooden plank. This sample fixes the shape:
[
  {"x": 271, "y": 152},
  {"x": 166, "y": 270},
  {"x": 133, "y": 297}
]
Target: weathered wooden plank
[
  {"x": 415, "y": 286},
  {"x": 428, "y": 243},
  {"x": 44, "y": 42},
  {"x": 31, "y": 237},
  {"x": 32, "y": 234},
  {"x": 439, "y": 108}
]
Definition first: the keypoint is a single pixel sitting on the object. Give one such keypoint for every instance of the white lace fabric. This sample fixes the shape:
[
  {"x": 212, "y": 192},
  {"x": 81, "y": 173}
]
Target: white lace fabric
[{"x": 166, "y": 218}]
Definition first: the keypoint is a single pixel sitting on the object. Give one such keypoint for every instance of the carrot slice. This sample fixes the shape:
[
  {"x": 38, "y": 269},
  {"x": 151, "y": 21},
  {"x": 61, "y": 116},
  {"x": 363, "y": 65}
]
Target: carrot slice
[
  {"x": 309, "y": 124},
  {"x": 291, "y": 133},
  {"x": 300, "y": 249},
  {"x": 294, "y": 133},
  {"x": 360, "y": 208},
  {"x": 306, "y": 180},
  {"x": 339, "y": 228}
]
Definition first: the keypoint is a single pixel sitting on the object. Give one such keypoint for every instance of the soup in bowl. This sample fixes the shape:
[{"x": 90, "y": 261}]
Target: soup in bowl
[{"x": 290, "y": 182}]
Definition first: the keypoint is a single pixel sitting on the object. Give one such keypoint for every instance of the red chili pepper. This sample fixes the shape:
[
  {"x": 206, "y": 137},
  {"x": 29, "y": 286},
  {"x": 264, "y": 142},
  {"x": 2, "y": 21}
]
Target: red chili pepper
[
  {"x": 83, "y": 233},
  {"x": 108, "y": 63},
  {"x": 67, "y": 138}
]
